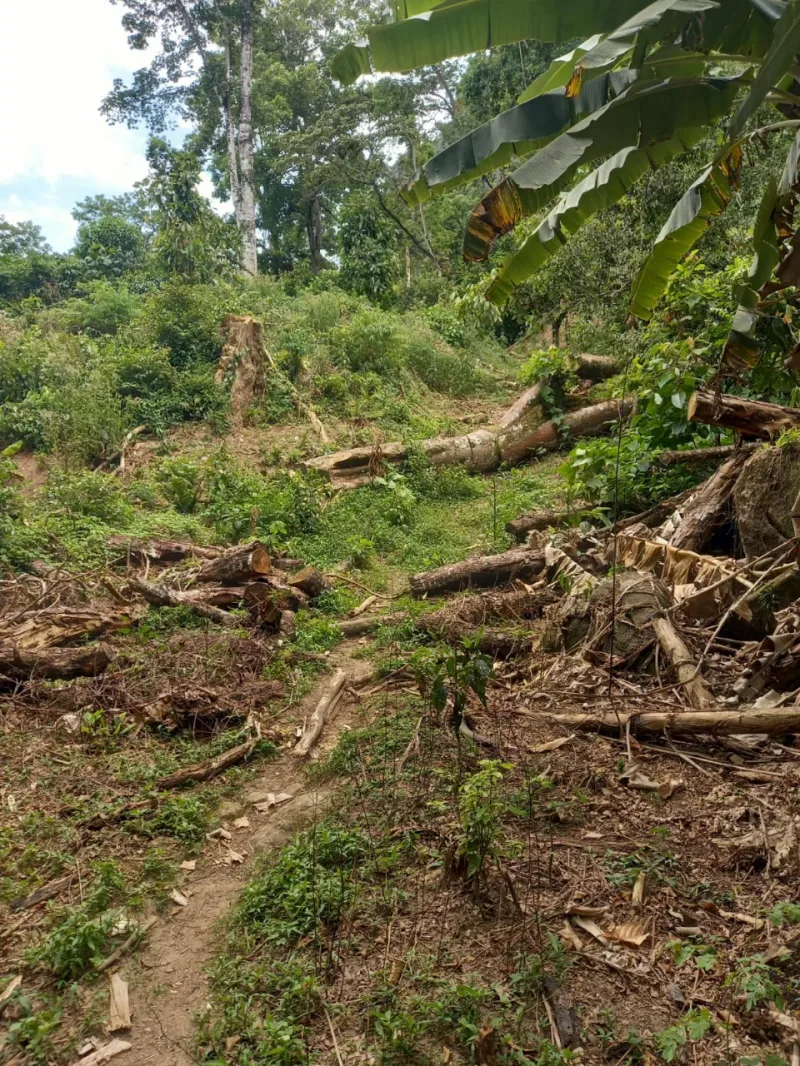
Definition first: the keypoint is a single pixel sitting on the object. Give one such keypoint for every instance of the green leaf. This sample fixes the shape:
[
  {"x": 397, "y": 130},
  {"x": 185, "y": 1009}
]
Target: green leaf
[
  {"x": 700, "y": 204},
  {"x": 646, "y": 116},
  {"x": 456, "y": 29},
  {"x": 664, "y": 18},
  {"x": 782, "y": 50},
  {"x": 515, "y": 132}
]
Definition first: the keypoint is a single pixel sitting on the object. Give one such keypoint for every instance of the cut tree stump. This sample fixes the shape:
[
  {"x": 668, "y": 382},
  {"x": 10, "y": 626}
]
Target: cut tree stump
[
  {"x": 247, "y": 562},
  {"x": 708, "y": 506},
  {"x": 159, "y": 596},
  {"x": 308, "y": 580},
  {"x": 764, "y": 497},
  {"x": 751, "y": 417},
  {"x": 326, "y": 704},
  {"x": 55, "y": 663},
  {"x": 682, "y": 722},
  {"x": 519, "y": 528},
  {"x": 487, "y": 571},
  {"x": 593, "y": 367}
]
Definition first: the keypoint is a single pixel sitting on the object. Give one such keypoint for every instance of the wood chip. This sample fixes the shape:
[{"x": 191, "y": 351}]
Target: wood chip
[
  {"x": 637, "y": 895},
  {"x": 104, "y": 1053},
  {"x": 189, "y": 865},
  {"x": 218, "y": 834},
  {"x": 178, "y": 897},
  {"x": 119, "y": 1008},
  {"x": 242, "y": 823}
]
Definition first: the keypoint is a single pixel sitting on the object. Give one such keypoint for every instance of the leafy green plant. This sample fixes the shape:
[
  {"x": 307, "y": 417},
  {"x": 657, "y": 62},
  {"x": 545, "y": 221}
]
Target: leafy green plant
[
  {"x": 693, "y": 1027},
  {"x": 753, "y": 978},
  {"x": 32, "y": 1032},
  {"x": 704, "y": 956},
  {"x": 400, "y": 500},
  {"x": 481, "y": 808}
]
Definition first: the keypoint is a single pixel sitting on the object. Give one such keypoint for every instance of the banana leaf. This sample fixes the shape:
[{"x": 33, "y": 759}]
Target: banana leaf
[
  {"x": 705, "y": 198},
  {"x": 560, "y": 70},
  {"x": 603, "y": 187},
  {"x": 663, "y": 18},
  {"x": 642, "y": 116},
  {"x": 457, "y": 29},
  {"x": 514, "y": 133},
  {"x": 783, "y": 48}
]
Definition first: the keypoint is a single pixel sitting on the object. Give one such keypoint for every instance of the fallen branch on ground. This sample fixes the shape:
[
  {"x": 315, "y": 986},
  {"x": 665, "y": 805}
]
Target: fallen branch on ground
[
  {"x": 326, "y": 704},
  {"x": 479, "y": 572},
  {"x": 159, "y": 596},
  {"x": 683, "y": 662},
  {"x": 205, "y": 770},
  {"x": 56, "y": 663},
  {"x": 681, "y": 722}
]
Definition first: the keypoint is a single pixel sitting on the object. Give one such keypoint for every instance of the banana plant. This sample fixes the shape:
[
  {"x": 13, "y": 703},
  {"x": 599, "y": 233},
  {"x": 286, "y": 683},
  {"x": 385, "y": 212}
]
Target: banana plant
[{"x": 642, "y": 88}]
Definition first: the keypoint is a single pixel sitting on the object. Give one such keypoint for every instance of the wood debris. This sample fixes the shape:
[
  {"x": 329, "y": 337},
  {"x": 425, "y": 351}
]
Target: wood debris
[{"x": 119, "y": 1012}]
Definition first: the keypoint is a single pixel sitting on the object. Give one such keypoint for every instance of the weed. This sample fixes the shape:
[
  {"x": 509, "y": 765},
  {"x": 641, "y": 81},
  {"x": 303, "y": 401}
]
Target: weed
[
  {"x": 753, "y": 978},
  {"x": 183, "y": 816},
  {"x": 785, "y": 913},
  {"x": 32, "y": 1032},
  {"x": 481, "y": 809},
  {"x": 694, "y": 1026},
  {"x": 316, "y": 632},
  {"x": 528, "y": 979},
  {"x": 704, "y": 956}
]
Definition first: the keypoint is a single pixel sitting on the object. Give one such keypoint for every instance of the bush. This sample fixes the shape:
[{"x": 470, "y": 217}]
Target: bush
[
  {"x": 89, "y": 494},
  {"x": 369, "y": 341},
  {"x": 185, "y": 320},
  {"x": 105, "y": 309}
]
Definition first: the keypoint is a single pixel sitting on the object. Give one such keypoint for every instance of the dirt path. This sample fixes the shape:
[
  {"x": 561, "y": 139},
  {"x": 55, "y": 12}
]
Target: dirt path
[{"x": 168, "y": 984}]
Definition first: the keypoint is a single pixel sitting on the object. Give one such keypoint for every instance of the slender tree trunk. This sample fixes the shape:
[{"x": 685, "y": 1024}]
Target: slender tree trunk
[
  {"x": 248, "y": 199},
  {"x": 230, "y": 134},
  {"x": 314, "y": 231}
]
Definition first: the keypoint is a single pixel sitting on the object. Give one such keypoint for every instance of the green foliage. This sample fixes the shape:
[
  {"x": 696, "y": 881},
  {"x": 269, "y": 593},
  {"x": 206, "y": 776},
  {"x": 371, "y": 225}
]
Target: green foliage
[
  {"x": 785, "y": 913},
  {"x": 369, "y": 265},
  {"x": 753, "y": 978},
  {"x": 481, "y": 807},
  {"x": 693, "y": 1027},
  {"x": 32, "y": 1032},
  {"x": 309, "y": 884},
  {"x": 184, "y": 816}
]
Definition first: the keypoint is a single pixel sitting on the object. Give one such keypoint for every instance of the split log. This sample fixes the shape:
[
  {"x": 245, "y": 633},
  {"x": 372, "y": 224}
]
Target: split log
[
  {"x": 323, "y": 708},
  {"x": 487, "y": 571},
  {"x": 681, "y": 659},
  {"x": 310, "y": 581},
  {"x": 159, "y": 596},
  {"x": 683, "y": 723},
  {"x": 246, "y": 562},
  {"x": 519, "y": 433},
  {"x": 54, "y": 626},
  {"x": 138, "y": 551},
  {"x": 203, "y": 771},
  {"x": 519, "y": 528},
  {"x": 52, "y": 663},
  {"x": 751, "y": 417},
  {"x": 690, "y": 456},
  {"x": 708, "y": 506}
]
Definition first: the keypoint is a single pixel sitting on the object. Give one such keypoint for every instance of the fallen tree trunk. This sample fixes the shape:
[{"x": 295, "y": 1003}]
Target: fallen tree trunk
[
  {"x": 357, "y": 627},
  {"x": 686, "y": 723},
  {"x": 247, "y": 562},
  {"x": 481, "y": 608},
  {"x": 519, "y": 528},
  {"x": 499, "y": 643},
  {"x": 593, "y": 367},
  {"x": 138, "y": 551},
  {"x": 204, "y": 770},
  {"x": 216, "y": 595},
  {"x": 52, "y": 626},
  {"x": 487, "y": 571},
  {"x": 752, "y": 417},
  {"x": 159, "y": 596},
  {"x": 706, "y": 508},
  {"x": 658, "y": 513},
  {"x": 690, "y": 456},
  {"x": 323, "y": 708},
  {"x": 521, "y": 431},
  {"x": 681, "y": 659},
  {"x": 55, "y": 663}
]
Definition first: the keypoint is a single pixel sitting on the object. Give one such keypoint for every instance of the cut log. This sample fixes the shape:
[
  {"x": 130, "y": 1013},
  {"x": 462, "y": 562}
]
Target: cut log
[
  {"x": 137, "y": 551},
  {"x": 751, "y": 417},
  {"x": 692, "y": 456},
  {"x": 159, "y": 596},
  {"x": 323, "y": 708},
  {"x": 357, "y": 627},
  {"x": 520, "y": 527},
  {"x": 683, "y": 723},
  {"x": 52, "y": 663},
  {"x": 486, "y": 571},
  {"x": 519, "y": 433},
  {"x": 683, "y": 662},
  {"x": 54, "y": 626},
  {"x": 708, "y": 506},
  {"x": 310, "y": 581},
  {"x": 483, "y": 608},
  {"x": 216, "y": 595},
  {"x": 247, "y": 562},
  {"x": 203, "y": 771},
  {"x": 754, "y": 616},
  {"x": 593, "y": 367}
]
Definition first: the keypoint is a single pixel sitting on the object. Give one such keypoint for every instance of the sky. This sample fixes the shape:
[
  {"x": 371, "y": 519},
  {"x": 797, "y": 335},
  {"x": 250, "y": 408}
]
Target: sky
[{"x": 58, "y": 59}]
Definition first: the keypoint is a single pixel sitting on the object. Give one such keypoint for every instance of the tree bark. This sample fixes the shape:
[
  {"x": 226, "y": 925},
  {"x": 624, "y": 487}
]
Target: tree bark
[
  {"x": 246, "y": 166},
  {"x": 683, "y": 662},
  {"x": 683, "y": 723},
  {"x": 690, "y": 456},
  {"x": 705, "y": 509},
  {"x": 752, "y": 417},
  {"x": 594, "y": 367},
  {"x": 52, "y": 663},
  {"x": 308, "y": 580},
  {"x": 62, "y": 625},
  {"x": 230, "y": 136},
  {"x": 159, "y": 596},
  {"x": 519, "y": 528},
  {"x": 357, "y": 627},
  {"x": 314, "y": 232},
  {"x": 247, "y": 562},
  {"x": 140, "y": 551},
  {"x": 326, "y": 704},
  {"x": 486, "y": 571}
]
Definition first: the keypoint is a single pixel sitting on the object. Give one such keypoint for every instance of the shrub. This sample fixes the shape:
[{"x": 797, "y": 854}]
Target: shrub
[
  {"x": 185, "y": 320},
  {"x": 105, "y": 309},
  {"x": 89, "y": 494},
  {"x": 369, "y": 341}
]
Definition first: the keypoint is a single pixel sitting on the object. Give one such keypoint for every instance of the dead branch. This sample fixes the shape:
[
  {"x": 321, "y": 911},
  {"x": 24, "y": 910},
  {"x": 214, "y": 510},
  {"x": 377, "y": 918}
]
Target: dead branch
[{"x": 325, "y": 705}]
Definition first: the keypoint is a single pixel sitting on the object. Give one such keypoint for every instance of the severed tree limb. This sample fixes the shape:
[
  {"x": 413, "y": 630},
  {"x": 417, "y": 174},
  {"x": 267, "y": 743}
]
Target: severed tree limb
[
  {"x": 753, "y": 417},
  {"x": 681, "y": 722},
  {"x": 204, "y": 770},
  {"x": 483, "y": 571},
  {"x": 706, "y": 507},
  {"x": 245, "y": 562},
  {"x": 52, "y": 663},
  {"x": 159, "y": 596},
  {"x": 683, "y": 662},
  {"x": 690, "y": 456},
  {"x": 356, "y": 627},
  {"x": 518, "y": 528},
  {"x": 326, "y": 704},
  {"x": 136, "y": 936}
]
